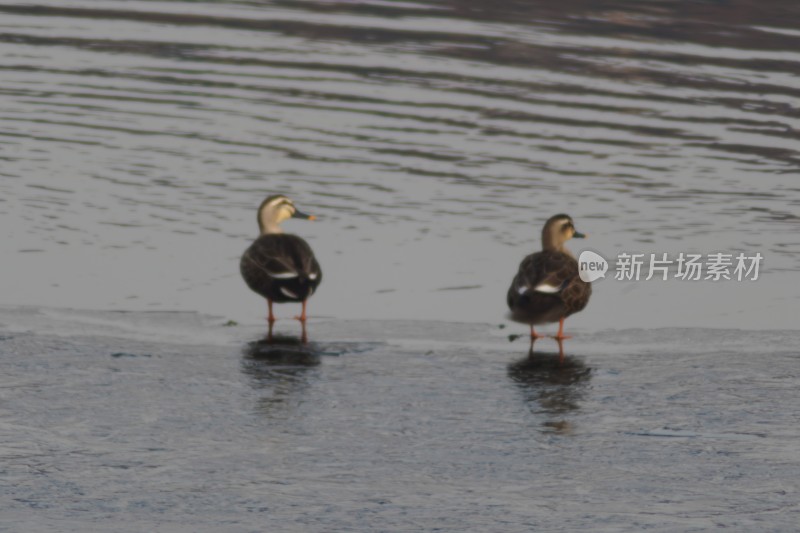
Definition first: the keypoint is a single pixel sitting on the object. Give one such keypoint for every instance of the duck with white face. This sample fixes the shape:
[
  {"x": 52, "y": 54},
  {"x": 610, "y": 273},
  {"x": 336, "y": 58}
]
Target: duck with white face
[
  {"x": 548, "y": 287},
  {"x": 279, "y": 266}
]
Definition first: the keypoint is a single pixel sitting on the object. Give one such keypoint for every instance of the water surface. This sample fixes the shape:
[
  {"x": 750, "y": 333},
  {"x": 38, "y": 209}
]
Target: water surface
[
  {"x": 432, "y": 139},
  {"x": 174, "y": 422}
]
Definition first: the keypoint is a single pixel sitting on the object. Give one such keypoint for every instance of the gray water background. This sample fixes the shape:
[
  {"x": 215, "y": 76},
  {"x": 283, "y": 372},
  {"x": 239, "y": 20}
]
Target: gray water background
[{"x": 432, "y": 139}]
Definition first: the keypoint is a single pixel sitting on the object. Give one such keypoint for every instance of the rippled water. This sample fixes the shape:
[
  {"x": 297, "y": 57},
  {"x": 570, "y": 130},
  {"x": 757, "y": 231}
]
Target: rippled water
[
  {"x": 172, "y": 422},
  {"x": 431, "y": 139}
]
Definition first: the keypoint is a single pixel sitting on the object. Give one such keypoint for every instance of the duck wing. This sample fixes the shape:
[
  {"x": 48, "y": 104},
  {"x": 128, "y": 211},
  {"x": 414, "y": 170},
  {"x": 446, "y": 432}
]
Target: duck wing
[
  {"x": 545, "y": 272},
  {"x": 281, "y": 267},
  {"x": 283, "y": 257}
]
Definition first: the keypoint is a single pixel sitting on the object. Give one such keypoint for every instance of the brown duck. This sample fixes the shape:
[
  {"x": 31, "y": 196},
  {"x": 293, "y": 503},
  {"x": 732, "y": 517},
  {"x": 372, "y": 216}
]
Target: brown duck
[
  {"x": 278, "y": 266},
  {"x": 548, "y": 287}
]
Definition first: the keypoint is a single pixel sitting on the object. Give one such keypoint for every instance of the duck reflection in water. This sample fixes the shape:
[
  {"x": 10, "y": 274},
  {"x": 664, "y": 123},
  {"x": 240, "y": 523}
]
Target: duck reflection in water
[
  {"x": 553, "y": 383},
  {"x": 279, "y": 367},
  {"x": 277, "y": 350}
]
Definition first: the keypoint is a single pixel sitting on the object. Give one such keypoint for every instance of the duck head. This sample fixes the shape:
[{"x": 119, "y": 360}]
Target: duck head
[
  {"x": 275, "y": 210},
  {"x": 557, "y": 230}
]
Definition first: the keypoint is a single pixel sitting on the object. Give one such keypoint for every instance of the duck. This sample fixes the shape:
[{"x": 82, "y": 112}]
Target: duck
[
  {"x": 547, "y": 287},
  {"x": 279, "y": 266}
]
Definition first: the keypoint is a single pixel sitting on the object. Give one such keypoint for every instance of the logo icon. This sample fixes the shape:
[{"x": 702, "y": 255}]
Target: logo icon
[{"x": 591, "y": 266}]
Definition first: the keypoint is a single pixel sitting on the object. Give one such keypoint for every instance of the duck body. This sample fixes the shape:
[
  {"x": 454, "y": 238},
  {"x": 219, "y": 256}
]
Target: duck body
[
  {"x": 281, "y": 267},
  {"x": 547, "y": 286}
]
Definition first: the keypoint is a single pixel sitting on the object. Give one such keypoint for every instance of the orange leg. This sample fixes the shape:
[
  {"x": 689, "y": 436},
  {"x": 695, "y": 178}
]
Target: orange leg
[
  {"x": 560, "y": 335},
  {"x": 302, "y": 317},
  {"x": 270, "y": 317},
  {"x": 560, "y": 350},
  {"x": 535, "y": 335},
  {"x": 270, "y": 338}
]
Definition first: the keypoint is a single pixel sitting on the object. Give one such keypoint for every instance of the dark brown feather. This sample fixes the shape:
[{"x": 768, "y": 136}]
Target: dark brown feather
[
  {"x": 279, "y": 253},
  {"x": 556, "y": 269}
]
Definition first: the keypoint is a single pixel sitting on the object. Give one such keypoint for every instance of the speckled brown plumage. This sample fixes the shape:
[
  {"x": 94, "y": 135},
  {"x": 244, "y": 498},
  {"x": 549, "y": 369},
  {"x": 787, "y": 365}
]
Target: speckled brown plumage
[{"x": 557, "y": 269}]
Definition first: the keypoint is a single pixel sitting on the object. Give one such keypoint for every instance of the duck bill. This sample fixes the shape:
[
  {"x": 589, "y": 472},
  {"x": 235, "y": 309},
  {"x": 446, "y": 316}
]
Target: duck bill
[
  {"x": 579, "y": 235},
  {"x": 298, "y": 214}
]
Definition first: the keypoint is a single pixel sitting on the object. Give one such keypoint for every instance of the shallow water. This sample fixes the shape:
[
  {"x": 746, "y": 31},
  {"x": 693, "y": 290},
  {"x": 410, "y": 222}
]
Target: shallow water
[
  {"x": 431, "y": 139},
  {"x": 174, "y": 422}
]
